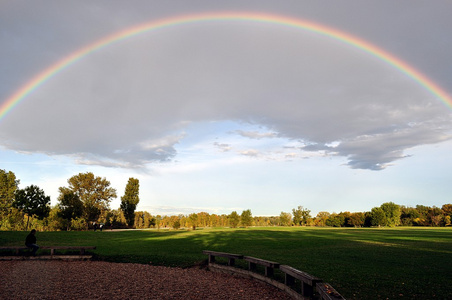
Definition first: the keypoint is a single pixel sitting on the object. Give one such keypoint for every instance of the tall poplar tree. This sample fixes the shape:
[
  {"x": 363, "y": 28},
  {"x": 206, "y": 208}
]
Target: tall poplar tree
[{"x": 130, "y": 200}]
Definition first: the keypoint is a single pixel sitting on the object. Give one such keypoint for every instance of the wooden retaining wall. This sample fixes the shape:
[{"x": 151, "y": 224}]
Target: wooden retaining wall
[{"x": 298, "y": 284}]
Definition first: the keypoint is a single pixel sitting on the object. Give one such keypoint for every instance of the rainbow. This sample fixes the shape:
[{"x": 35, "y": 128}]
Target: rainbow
[{"x": 346, "y": 38}]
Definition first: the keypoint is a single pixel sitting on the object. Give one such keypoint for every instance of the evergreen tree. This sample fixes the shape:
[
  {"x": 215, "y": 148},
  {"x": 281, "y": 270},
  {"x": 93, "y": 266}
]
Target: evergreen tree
[{"x": 130, "y": 200}]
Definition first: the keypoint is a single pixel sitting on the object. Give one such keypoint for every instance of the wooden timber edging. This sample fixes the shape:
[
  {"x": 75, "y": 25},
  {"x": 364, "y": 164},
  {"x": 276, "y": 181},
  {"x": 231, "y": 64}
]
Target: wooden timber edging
[
  {"x": 311, "y": 286},
  {"x": 47, "y": 257},
  {"x": 52, "y": 248}
]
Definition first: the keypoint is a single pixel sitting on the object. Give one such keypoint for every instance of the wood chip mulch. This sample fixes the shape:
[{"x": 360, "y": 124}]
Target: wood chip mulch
[{"x": 103, "y": 280}]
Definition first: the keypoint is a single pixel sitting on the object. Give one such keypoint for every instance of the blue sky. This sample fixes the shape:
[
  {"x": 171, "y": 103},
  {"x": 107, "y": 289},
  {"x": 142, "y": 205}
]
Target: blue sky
[{"x": 230, "y": 116}]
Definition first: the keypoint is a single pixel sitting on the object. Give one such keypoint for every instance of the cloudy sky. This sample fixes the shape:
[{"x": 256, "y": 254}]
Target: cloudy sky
[{"x": 226, "y": 115}]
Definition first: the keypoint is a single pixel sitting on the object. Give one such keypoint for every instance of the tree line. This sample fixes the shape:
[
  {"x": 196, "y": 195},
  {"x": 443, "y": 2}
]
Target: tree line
[{"x": 85, "y": 201}]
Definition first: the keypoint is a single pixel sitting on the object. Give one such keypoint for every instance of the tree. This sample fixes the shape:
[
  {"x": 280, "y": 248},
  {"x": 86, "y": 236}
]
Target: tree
[
  {"x": 70, "y": 206},
  {"x": 285, "y": 219},
  {"x": 392, "y": 212},
  {"x": 94, "y": 192},
  {"x": 130, "y": 200},
  {"x": 301, "y": 215},
  {"x": 33, "y": 202},
  {"x": 408, "y": 216},
  {"x": 234, "y": 219},
  {"x": 55, "y": 221},
  {"x": 356, "y": 219},
  {"x": 246, "y": 218},
  {"x": 447, "y": 209},
  {"x": 336, "y": 220},
  {"x": 435, "y": 216},
  {"x": 193, "y": 220},
  {"x": 321, "y": 218},
  {"x": 8, "y": 186},
  {"x": 378, "y": 217}
]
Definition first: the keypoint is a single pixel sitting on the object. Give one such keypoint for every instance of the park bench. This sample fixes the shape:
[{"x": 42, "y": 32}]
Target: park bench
[
  {"x": 269, "y": 265},
  {"x": 17, "y": 249},
  {"x": 308, "y": 282},
  {"x": 230, "y": 256},
  {"x": 327, "y": 292}
]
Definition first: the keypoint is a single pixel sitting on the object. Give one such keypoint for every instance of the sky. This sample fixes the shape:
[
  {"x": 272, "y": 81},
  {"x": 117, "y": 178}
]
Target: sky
[{"x": 228, "y": 114}]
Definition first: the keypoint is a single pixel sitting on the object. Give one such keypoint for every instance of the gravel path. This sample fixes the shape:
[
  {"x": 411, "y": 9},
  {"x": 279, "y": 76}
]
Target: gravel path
[{"x": 102, "y": 280}]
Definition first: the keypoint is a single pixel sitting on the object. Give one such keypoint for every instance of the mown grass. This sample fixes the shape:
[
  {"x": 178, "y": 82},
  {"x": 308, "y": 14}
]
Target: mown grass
[{"x": 393, "y": 263}]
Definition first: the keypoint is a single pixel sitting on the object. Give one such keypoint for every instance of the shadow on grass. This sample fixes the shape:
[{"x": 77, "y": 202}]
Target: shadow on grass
[{"x": 366, "y": 263}]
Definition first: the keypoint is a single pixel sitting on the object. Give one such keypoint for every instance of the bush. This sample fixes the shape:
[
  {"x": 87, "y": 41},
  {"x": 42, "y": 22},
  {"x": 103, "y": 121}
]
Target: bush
[{"x": 78, "y": 224}]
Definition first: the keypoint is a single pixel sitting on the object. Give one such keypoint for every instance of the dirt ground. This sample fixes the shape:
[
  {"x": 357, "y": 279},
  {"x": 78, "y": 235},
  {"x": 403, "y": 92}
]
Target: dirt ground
[{"x": 102, "y": 280}]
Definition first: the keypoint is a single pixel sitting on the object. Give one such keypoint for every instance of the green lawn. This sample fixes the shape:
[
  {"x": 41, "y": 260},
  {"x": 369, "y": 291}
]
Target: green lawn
[{"x": 410, "y": 263}]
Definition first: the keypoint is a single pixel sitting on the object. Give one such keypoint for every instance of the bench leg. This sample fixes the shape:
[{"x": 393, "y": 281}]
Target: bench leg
[
  {"x": 211, "y": 259},
  {"x": 52, "y": 251},
  {"x": 306, "y": 290},
  {"x": 82, "y": 251},
  {"x": 289, "y": 280},
  {"x": 252, "y": 266},
  {"x": 231, "y": 262},
  {"x": 268, "y": 271}
]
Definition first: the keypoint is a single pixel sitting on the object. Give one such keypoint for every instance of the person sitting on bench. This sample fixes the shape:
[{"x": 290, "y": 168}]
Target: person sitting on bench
[{"x": 30, "y": 242}]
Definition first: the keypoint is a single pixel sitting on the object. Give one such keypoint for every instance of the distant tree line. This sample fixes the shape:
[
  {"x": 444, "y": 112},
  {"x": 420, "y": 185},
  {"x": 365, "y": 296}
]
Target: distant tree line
[{"x": 85, "y": 202}]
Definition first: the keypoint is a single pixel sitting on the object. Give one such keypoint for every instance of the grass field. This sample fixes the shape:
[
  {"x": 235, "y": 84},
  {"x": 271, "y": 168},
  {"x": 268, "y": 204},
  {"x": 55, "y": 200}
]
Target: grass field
[{"x": 392, "y": 263}]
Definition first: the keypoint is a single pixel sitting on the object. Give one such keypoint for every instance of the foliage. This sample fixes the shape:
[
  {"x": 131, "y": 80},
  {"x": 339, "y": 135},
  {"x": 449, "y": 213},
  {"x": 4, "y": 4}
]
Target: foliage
[
  {"x": 193, "y": 220},
  {"x": 55, "y": 221},
  {"x": 246, "y": 218},
  {"x": 234, "y": 219},
  {"x": 356, "y": 219},
  {"x": 8, "y": 187},
  {"x": 79, "y": 224},
  {"x": 335, "y": 220},
  {"x": 130, "y": 200},
  {"x": 321, "y": 218},
  {"x": 13, "y": 221},
  {"x": 378, "y": 217},
  {"x": 87, "y": 199},
  {"x": 32, "y": 201},
  {"x": 301, "y": 216},
  {"x": 285, "y": 219},
  {"x": 392, "y": 213},
  {"x": 70, "y": 206},
  {"x": 94, "y": 192}
]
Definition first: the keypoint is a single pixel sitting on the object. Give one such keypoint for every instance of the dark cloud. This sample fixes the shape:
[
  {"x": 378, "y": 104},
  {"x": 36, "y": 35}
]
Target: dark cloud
[{"x": 129, "y": 104}]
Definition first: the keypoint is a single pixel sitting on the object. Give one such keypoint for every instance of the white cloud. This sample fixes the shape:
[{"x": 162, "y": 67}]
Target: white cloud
[
  {"x": 251, "y": 153},
  {"x": 223, "y": 147},
  {"x": 256, "y": 134}
]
